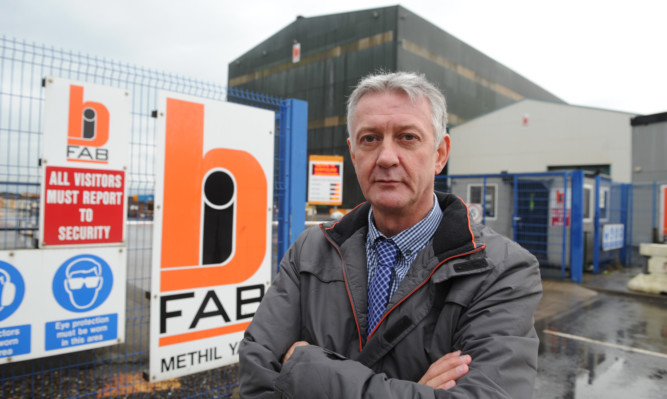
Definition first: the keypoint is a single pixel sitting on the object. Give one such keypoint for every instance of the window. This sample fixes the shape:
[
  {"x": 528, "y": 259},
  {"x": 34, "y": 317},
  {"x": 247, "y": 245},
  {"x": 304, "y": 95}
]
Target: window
[
  {"x": 604, "y": 204},
  {"x": 488, "y": 203},
  {"x": 588, "y": 190}
]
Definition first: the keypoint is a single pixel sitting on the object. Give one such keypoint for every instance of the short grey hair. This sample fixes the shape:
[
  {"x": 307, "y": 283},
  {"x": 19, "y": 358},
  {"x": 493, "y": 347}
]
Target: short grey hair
[{"x": 416, "y": 86}]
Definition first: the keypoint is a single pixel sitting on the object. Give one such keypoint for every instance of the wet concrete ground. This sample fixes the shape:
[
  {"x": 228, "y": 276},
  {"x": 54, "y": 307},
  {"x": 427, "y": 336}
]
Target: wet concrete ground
[{"x": 602, "y": 345}]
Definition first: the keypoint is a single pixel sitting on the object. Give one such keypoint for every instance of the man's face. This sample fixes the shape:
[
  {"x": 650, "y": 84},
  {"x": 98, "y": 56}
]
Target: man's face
[{"x": 392, "y": 146}]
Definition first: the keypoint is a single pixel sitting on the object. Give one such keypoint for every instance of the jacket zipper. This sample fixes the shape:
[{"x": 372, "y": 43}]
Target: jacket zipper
[
  {"x": 347, "y": 287},
  {"x": 422, "y": 284}
]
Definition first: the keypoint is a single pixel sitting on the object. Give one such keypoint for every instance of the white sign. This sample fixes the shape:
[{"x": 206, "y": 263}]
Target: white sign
[
  {"x": 296, "y": 53},
  {"x": 212, "y": 239},
  {"x": 325, "y": 180},
  {"x": 84, "y": 159},
  {"x": 86, "y": 125},
  {"x": 475, "y": 212},
  {"x": 560, "y": 207},
  {"x": 55, "y": 301},
  {"x": 612, "y": 236},
  {"x": 557, "y": 198}
]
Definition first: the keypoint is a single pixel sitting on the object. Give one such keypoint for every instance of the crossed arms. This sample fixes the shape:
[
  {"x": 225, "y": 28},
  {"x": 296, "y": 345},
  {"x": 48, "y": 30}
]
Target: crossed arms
[{"x": 495, "y": 336}]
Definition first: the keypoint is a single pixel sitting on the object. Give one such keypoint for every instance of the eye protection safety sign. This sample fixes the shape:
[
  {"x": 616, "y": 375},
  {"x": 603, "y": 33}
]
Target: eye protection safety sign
[{"x": 74, "y": 300}]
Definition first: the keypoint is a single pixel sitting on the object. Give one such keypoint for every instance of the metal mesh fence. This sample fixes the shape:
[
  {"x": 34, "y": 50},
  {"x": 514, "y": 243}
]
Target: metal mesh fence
[
  {"x": 647, "y": 217},
  {"x": 535, "y": 210},
  {"x": 115, "y": 371},
  {"x": 528, "y": 208}
]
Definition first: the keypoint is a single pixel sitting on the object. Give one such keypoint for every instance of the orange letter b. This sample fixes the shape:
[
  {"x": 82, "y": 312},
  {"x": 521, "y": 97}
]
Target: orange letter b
[
  {"x": 88, "y": 122},
  {"x": 210, "y": 235}
]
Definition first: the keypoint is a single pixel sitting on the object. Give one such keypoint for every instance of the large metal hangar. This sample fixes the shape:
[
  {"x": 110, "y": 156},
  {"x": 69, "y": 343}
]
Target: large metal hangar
[{"x": 320, "y": 59}]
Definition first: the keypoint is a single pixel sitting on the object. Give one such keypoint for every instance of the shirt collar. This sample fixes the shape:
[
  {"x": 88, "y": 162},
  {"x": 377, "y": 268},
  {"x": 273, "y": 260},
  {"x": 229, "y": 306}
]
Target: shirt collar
[{"x": 413, "y": 238}]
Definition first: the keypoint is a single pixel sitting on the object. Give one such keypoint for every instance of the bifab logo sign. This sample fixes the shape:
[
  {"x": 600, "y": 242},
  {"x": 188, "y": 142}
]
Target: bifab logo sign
[
  {"x": 88, "y": 130},
  {"x": 211, "y": 250},
  {"x": 86, "y": 124},
  {"x": 215, "y": 206}
]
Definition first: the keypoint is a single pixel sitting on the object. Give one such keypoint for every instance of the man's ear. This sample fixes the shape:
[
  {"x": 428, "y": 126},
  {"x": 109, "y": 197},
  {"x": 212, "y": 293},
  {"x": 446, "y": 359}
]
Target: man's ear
[
  {"x": 349, "y": 146},
  {"x": 442, "y": 153}
]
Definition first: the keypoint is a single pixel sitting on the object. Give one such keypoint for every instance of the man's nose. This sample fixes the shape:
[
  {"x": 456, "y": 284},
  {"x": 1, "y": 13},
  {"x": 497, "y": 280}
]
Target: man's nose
[{"x": 388, "y": 155}]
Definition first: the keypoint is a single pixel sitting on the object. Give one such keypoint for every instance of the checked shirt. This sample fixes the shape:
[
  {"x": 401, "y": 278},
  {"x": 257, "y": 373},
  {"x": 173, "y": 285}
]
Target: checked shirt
[{"x": 409, "y": 242}]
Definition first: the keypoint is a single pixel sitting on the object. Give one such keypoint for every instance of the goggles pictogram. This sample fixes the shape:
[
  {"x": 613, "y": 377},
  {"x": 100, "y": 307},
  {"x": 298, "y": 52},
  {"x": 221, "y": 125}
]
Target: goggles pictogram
[{"x": 76, "y": 283}]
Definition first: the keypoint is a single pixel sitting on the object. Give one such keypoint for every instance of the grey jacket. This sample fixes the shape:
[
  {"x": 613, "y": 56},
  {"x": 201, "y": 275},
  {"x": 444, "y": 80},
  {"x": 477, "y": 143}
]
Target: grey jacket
[{"x": 469, "y": 289}]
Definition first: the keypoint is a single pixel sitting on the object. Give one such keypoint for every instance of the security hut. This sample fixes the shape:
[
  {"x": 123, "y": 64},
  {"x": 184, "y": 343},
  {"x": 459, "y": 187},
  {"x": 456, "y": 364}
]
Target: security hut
[{"x": 534, "y": 142}]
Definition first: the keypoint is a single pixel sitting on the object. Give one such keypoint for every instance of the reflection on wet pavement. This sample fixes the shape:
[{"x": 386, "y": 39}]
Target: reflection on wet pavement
[{"x": 614, "y": 347}]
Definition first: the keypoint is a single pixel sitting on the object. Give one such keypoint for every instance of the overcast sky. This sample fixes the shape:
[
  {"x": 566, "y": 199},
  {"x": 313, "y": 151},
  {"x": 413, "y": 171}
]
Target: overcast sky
[{"x": 607, "y": 54}]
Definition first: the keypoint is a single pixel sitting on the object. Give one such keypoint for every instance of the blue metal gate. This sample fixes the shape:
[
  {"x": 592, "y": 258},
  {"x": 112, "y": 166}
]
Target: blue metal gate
[{"x": 532, "y": 214}]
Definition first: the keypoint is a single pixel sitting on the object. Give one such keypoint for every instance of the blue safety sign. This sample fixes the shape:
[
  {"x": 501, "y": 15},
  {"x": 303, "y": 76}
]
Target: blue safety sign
[
  {"x": 87, "y": 330},
  {"x": 60, "y": 300},
  {"x": 14, "y": 340},
  {"x": 12, "y": 289},
  {"x": 82, "y": 283},
  {"x": 613, "y": 236}
]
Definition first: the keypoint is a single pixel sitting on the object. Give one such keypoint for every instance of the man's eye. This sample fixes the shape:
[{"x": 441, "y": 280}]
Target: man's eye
[
  {"x": 368, "y": 139},
  {"x": 409, "y": 137}
]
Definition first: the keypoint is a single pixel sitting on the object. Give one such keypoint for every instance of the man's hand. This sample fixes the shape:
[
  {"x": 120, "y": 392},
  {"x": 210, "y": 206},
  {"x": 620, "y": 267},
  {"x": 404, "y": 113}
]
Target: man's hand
[
  {"x": 445, "y": 371},
  {"x": 290, "y": 351}
]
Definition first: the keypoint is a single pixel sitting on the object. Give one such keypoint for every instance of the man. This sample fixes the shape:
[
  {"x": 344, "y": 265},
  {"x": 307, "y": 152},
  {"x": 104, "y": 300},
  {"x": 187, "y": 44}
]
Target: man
[{"x": 404, "y": 297}]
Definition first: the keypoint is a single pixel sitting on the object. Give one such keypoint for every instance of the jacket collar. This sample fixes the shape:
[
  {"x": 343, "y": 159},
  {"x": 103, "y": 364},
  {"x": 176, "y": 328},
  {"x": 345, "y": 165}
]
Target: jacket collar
[
  {"x": 454, "y": 234},
  {"x": 452, "y": 241}
]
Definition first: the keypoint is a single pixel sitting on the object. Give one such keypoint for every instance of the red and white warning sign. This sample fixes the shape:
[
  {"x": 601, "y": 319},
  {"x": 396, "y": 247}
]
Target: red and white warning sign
[
  {"x": 296, "y": 53},
  {"x": 84, "y": 158},
  {"x": 559, "y": 209},
  {"x": 475, "y": 211},
  {"x": 82, "y": 206},
  {"x": 325, "y": 180}
]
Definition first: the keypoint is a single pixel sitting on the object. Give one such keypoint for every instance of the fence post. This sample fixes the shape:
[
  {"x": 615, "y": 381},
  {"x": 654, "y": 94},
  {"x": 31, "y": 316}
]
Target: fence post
[
  {"x": 631, "y": 212},
  {"x": 596, "y": 227},
  {"x": 515, "y": 208},
  {"x": 624, "y": 220},
  {"x": 566, "y": 217},
  {"x": 292, "y": 172},
  {"x": 577, "y": 227},
  {"x": 484, "y": 202},
  {"x": 654, "y": 213}
]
